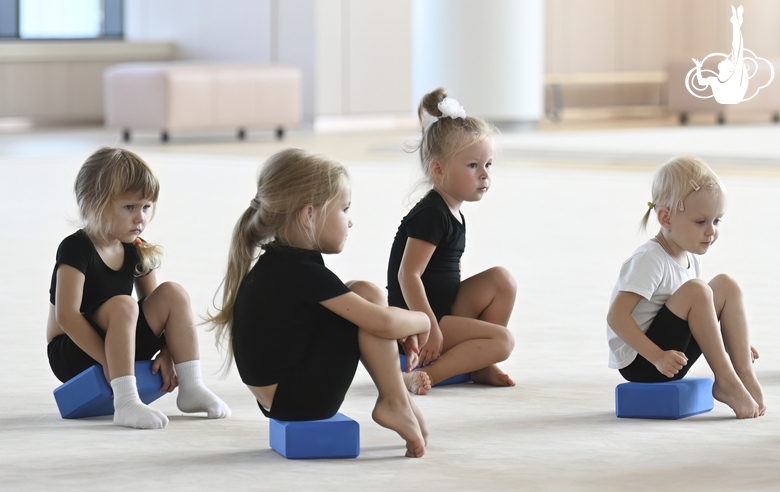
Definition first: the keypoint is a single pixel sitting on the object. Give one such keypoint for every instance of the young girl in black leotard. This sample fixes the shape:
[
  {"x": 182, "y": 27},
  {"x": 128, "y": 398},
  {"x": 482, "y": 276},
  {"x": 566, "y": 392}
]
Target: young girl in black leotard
[
  {"x": 92, "y": 317},
  {"x": 468, "y": 318},
  {"x": 295, "y": 330}
]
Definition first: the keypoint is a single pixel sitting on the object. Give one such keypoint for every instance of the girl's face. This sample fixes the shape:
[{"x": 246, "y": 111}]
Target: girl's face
[
  {"x": 334, "y": 225},
  {"x": 466, "y": 177},
  {"x": 131, "y": 212},
  {"x": 695, "y": 229}
]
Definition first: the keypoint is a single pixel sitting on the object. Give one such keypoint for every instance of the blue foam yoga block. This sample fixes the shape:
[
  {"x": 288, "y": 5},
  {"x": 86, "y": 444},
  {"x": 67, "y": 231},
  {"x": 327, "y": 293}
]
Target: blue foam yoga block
[
  {"x": 89, "y": 395},
  {"x": 336, "y": 437},
  {"x": 669, "y": 400},
  {"x": 458, "y": 379}
]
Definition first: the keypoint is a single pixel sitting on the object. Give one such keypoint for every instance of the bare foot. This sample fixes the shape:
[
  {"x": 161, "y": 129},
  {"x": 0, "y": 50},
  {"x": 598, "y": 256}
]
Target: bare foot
[
  {"x": 738, "y": 398},
  {"x": 420, "y": 420},
  {"x": 493, "y": 376},
  {"x": 398, "y": 416},
  {"x": 751, "y": 383},
  {"x": 418, "y": 382}
]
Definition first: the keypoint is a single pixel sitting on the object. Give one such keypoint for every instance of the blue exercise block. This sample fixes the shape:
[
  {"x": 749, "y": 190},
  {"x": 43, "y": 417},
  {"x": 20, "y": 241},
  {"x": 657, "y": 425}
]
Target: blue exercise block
[
  {"x": 669, "y": 400},
  {"x": 458, "y": 379},
  {"x": 336, "y": 437},
  {"x": 89, "y": 395}
]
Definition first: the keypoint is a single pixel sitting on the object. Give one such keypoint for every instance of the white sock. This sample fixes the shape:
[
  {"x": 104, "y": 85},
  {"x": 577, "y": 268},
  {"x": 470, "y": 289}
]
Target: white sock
[
  {"x": 130, "y": 411},
  {"x": 193, "y": 394}
]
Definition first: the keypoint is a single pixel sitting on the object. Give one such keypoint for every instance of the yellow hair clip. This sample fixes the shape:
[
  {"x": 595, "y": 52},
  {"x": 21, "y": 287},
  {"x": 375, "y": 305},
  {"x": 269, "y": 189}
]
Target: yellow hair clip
[{"x": 650, "y": 204}]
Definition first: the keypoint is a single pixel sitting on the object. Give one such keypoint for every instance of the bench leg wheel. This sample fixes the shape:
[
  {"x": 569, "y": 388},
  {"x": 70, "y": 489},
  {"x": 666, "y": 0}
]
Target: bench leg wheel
[
  {"x": 683, "y": 118},
  {"x": 241, "y": 134},
  {"x": 126, "y": 135},
  {"x": 721, "y": 119},
  {"x": 279, "y": 133},
  {"x": 164, "y": 137}
]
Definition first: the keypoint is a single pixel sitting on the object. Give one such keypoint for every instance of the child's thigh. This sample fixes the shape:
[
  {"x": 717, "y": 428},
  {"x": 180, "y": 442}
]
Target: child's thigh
[
  {"x": 457, "y": 329},
  {"x": 477, "y": 292}
]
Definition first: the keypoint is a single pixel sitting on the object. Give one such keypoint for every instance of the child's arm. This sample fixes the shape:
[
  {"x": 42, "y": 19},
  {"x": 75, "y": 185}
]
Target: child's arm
[
  {"x": 384, "y": 322},
  {"x": 668, "y": 362},
  {"x": 416, "y": 256},
  {"x": 67, "y": 310},
  {"x": 145, "y": 285}
]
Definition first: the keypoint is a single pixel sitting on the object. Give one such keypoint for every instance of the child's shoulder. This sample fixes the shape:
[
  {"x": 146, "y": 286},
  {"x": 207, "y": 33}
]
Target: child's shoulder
[
  {"x": 649, "y": 252},
  {"x": 78, "y": 239},
  {"x": 431, "y": 203}
]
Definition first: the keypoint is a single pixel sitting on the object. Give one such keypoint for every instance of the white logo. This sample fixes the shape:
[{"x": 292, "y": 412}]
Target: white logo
[{"x": 730, "y": 84}]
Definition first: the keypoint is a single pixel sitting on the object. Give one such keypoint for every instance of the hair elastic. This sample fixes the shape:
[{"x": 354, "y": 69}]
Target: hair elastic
[
  {"x": 254, "y": 203},
  {"x": 650, "y": 204},
  {"x": 449, "y": 107}
]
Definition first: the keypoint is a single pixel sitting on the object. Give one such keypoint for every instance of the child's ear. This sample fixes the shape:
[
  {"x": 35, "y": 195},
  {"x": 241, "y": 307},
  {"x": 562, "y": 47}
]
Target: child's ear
[
  {"x": 665, "y": 217},
  {"x": 307, "y": 216},
  {"x": 437, "y": 170}
]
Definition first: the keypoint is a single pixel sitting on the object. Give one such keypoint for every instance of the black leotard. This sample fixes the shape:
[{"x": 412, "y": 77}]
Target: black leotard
[{"x": 431, "y": 221}]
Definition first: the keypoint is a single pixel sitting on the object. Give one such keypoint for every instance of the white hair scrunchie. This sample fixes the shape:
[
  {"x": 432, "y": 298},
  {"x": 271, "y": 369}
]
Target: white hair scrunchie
[{"x": 449, "y": 107}]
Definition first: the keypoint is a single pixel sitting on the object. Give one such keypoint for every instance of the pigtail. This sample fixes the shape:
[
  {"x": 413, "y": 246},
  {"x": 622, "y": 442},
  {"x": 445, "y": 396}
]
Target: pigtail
[
  {"x": 646, "y": 218},
  {"x": 149, "y": 257}
]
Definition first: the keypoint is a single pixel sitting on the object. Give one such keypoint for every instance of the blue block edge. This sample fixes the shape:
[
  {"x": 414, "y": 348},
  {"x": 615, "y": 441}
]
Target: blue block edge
[
  {"x": 305, "y": 439},
  {"x": 89, "y": 395},
  {"x": 683, "y": 398},
  {"x": 457, "y": 379}
]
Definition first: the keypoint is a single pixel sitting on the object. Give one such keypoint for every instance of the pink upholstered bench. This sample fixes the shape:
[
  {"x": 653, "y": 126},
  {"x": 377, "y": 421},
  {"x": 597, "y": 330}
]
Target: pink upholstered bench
[{"x": 179, "y": 96}]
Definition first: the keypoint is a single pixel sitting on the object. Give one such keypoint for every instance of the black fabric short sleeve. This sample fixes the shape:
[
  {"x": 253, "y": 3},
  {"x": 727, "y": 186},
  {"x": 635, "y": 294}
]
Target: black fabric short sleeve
[
  {"x": 428, "y": 224},
  {"x": 100, "y": 282},
  {"x": 320, "y": 284}
]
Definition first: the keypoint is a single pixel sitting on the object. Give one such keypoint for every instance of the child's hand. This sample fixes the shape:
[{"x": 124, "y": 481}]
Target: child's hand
[
  {"x": 753, "y": 354},
  {"x": 432, "y": 349},
  {"x": 670, "y": 362},
  {"x": 164, "y": 363},
  {"x": 412, "y": 352}
]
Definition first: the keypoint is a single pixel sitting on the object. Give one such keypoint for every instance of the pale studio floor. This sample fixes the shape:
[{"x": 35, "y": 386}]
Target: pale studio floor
[{"x": 561, "y": 216}]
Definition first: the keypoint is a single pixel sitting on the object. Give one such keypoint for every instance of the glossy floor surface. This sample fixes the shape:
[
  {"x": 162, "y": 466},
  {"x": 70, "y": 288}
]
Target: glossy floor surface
[{"x": 562, "y": 215}]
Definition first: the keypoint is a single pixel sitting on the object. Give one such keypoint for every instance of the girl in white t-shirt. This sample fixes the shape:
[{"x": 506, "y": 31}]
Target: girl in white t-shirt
[{"x": 662, "y": 316}]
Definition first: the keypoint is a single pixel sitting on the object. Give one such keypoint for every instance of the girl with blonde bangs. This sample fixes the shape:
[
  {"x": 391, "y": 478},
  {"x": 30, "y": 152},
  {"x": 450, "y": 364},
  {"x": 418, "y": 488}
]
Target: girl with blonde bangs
[
  {"x": 295, "y": 331},
  {"x": 468, "y": 318},
  {"x": 92, "y": 317},
  {"x": 663, "y": 316}
]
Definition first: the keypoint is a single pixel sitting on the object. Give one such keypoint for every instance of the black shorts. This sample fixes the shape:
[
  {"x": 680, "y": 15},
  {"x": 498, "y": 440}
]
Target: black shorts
[
  {"x": 67, "y": 360},
  {"x": 669, "y": 332}
]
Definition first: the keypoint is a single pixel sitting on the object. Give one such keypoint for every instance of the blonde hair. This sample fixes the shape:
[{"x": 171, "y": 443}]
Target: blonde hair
[
  {"x": 288, "y": 182},
  {"x": 678, "y": 178},
  {"x": 105, "y": 175},
  {"x": 447, "y": 136}
]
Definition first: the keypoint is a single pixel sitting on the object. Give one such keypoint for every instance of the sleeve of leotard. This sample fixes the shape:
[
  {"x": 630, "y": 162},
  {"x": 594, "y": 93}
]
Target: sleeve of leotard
[
  {"x": 320, "y": 283},
  {"x": 429, "y": 224},
  {"x": 641, "y": 274},
  {"x": 74, "y": 251}
]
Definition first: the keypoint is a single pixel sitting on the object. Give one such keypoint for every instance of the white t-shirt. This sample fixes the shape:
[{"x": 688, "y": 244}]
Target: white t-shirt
[{"x": 654, "y": 275}]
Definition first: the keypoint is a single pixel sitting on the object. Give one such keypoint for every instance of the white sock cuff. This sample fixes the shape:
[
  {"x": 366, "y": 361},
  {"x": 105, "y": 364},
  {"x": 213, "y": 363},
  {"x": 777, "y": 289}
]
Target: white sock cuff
[
  {"x": 188, "y": 372},
  {"x": 124, "y": 386}
]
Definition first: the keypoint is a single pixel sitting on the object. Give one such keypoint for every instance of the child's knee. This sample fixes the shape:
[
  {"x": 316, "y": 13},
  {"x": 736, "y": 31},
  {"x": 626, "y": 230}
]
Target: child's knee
[
  {"x": 725, "y": 284},
  {"x": 696, "y": 289},
  {"x": 368, "y": 291},
  {"x": 173, "y": 293},
  {"x": 121, "y": 310},
  {"x": 504, "y": 280}
]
